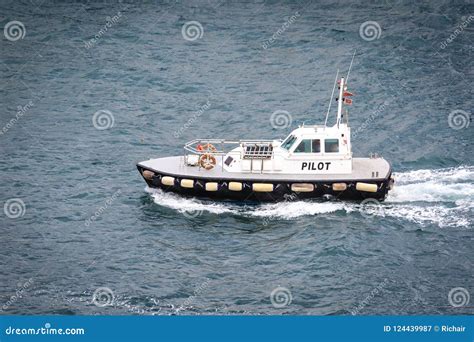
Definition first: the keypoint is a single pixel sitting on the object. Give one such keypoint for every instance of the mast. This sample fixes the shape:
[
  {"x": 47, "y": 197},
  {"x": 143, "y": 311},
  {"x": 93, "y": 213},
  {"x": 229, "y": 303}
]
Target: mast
[
  {"x": 330, "y": 100},
  {"x": 339, "y": 102},
  {"x": 342, "y": 92},
  {"x": 350, "y": 66}
]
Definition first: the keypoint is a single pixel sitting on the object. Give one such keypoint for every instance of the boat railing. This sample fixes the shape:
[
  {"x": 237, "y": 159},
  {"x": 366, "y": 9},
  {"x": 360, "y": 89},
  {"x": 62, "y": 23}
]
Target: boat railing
[
  {"x": 251, "y": 149},
  {"x": 221, "y": 146}
]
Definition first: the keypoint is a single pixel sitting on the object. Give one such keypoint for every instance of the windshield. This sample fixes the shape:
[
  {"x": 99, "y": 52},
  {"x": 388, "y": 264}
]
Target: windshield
[{"x": 288, "y": 142}]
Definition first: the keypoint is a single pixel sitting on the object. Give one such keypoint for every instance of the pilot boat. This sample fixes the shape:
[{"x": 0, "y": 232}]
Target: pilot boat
[{"x": 311, "y": 162}]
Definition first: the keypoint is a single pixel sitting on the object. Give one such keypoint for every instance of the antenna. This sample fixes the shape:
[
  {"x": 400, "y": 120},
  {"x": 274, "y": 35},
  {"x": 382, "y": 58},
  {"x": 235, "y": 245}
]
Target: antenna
[
  {"x": 332, "y": 95},
  {"x": 350, "y": 66},
  {"x": 340, "y": 100}
]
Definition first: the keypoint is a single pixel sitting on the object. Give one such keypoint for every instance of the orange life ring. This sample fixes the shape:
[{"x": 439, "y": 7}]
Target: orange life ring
[
  {"x": 207, "y": 161},
  {"x": 206, "y": 147}
]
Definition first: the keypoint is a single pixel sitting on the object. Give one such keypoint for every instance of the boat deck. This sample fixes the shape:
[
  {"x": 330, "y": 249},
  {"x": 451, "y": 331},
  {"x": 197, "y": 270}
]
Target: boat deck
[{"x": 362, "y": 169}]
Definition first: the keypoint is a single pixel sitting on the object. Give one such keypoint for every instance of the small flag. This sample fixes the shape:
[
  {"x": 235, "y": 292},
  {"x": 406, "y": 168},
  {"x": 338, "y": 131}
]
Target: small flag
[
  {"x": 347, "y": 101},
  {"x": 348, "y": 93}
]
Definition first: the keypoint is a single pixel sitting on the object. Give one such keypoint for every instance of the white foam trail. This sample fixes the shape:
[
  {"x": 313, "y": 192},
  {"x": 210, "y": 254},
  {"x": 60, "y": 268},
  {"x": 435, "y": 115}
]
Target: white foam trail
[
  {"x": 444, "y": 197},
  {"x": 431, "y": 191},
  {"x": 289, "y": 210},
  {"x": 440, "y": 215},
  {"x": 181, "y": 204},
  {"x": 452, "y": 174},
  {"x": 441, "y": 185}
]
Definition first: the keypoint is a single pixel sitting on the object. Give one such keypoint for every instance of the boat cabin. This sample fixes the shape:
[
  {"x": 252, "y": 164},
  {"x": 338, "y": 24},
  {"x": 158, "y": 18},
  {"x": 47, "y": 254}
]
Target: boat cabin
[{"x": 306, "y": 150}]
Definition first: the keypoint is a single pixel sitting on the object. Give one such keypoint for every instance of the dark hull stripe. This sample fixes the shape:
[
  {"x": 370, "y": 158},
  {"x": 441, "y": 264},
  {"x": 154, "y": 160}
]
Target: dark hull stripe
[{"x": 282, "y": 189}]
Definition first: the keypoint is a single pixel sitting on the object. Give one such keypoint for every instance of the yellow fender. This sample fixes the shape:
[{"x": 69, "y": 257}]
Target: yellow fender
[
  {"x": 235, "y": 186},
  {"x": 302, "y": 187},
  {"x": 339, "y": 186},
  {"x": 187, "y": 183},
  {"x": 366, "y": 187},
  {"x": 167, "y": 181},
  {"x": 212, "y": 186},
  {"x": 262, "y": 187}
]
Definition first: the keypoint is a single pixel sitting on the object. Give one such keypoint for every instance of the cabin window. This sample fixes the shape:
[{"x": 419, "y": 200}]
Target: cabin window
[
  {"x": 288, "y": 142},
  {"x": 316, "y": 146},
  {"x": 331, "y": 145},
  {"x": 304, "y": 146}
]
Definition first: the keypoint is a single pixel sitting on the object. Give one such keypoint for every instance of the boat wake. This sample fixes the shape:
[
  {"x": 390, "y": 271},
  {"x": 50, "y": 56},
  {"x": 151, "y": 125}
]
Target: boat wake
[{"x": 442, "y": 196}]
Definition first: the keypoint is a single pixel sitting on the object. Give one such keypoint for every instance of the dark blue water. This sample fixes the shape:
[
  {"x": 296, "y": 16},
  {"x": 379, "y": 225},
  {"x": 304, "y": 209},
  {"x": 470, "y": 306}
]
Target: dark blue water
[{"x": 77, "y": 218}]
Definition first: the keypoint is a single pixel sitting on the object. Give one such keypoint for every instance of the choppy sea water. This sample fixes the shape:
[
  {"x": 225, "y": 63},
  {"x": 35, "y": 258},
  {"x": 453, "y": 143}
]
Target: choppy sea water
[{"x": 78, "y": 220}]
